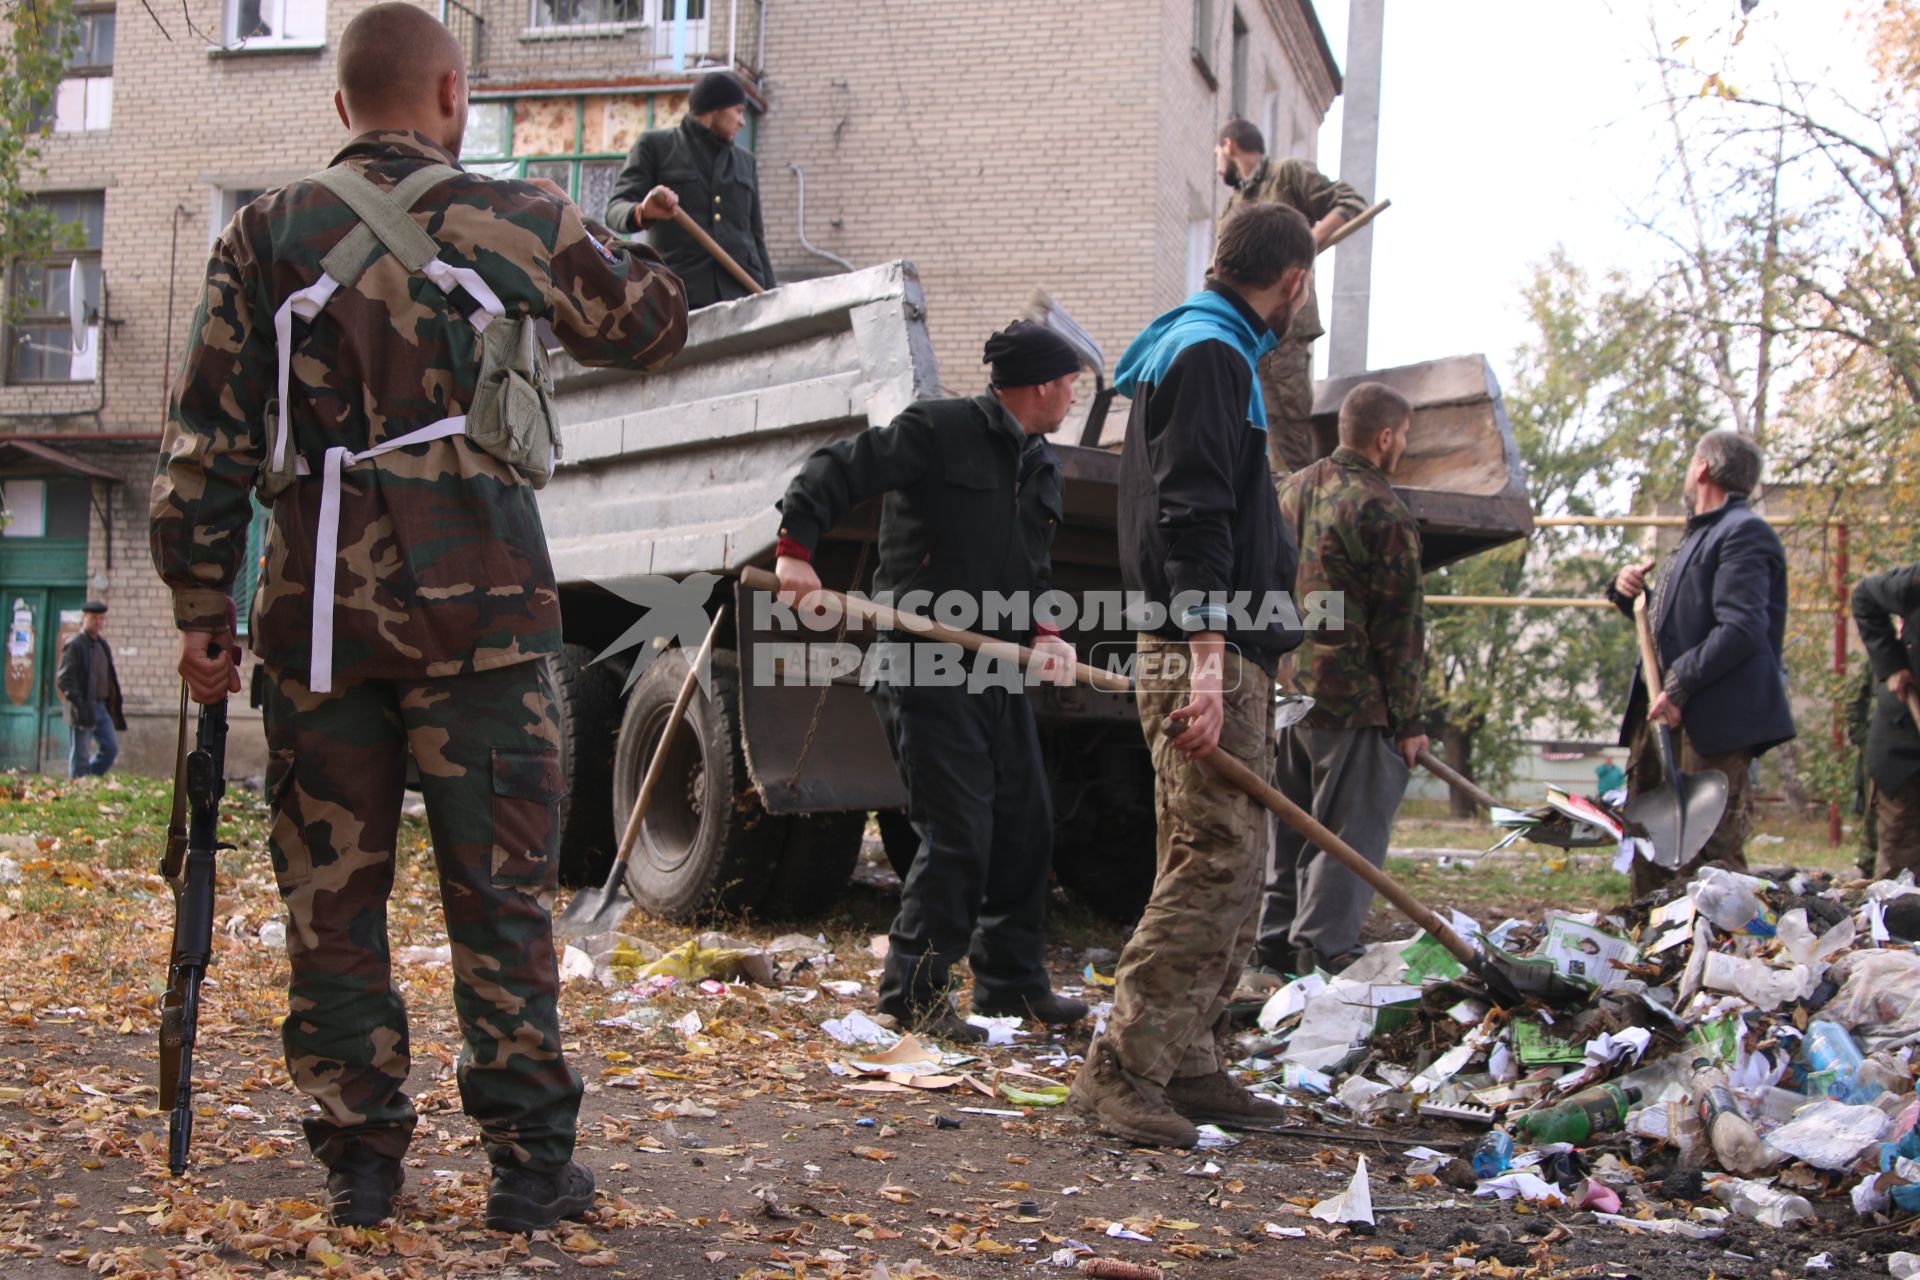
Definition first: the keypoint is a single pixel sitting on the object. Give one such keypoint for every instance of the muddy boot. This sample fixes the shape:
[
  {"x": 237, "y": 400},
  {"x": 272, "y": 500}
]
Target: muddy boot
[
  {"x": 1217, "y": 1099},
  {"x": 361, "y": 1187},
  {"x": 938, "y": 1021},
  {"x": 1119, "y": 1102},
  {"x": 1048, "y": 1007},
  {"x": 527, "y": 1200}
]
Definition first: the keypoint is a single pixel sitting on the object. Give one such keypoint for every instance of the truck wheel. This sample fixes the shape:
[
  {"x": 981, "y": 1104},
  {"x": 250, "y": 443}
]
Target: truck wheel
[
  {"x": 818, "y": 859},
  {"x": 899, "y": 839},
  {"x": 587, "y": 707},
  {"x": 706, "y": 844}
]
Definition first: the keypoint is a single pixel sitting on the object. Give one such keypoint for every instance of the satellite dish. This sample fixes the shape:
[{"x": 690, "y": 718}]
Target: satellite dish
[{"x": 77, "y": 307}]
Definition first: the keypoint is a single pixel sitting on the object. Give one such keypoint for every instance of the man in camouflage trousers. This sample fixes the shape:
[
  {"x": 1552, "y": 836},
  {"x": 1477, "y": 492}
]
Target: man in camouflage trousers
[
  {"x": 1348, "y": 761},
  {"x": 442, "y": 603},
  {"x": 1201, "y": 549},
  {"x": 1286, "y": 373}
]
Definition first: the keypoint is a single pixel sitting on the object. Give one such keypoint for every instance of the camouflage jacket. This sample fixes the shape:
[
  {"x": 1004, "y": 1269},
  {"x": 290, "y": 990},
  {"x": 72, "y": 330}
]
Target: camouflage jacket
[
  {"x": 443, "y": 564},
  {"x": 1356, "y": 537},
  {"x": 1298, "y": 185}
]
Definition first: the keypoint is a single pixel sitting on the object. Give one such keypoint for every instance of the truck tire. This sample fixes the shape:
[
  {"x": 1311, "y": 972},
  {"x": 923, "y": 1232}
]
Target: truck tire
[
  {"x": 816, "y": 862},
  {"x": 706, "y": 844},
  {"x": 899, "y": 839},
  {"x": 587, "y": 707}
]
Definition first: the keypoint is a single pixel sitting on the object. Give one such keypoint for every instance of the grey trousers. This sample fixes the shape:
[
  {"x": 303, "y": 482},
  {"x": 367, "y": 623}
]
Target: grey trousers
[{"x": 1352, "y": 780}]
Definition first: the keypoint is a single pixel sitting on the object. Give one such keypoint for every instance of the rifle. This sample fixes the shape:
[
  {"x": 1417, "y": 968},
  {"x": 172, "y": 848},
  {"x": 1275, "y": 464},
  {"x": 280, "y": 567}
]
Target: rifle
[{"x": 188, "y": 866}]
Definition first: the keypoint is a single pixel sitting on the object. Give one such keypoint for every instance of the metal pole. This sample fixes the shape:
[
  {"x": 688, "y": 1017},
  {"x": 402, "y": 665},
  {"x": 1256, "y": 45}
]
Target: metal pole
[
  {"x": 1840, "y": 616},
  {"x": 1359, "y": 152}
]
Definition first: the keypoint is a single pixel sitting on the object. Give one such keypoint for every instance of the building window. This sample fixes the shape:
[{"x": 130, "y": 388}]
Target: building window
[
  {"x": 689, "y": 31},
  {"x": 587, "y": 13},
  {"x": 1199, "y": 253},
  {"x": 54, "y": 508},
  {"x": 579, "y": 142},
  {"x": 228, "y": 201},
  {"x": 276, "y": 24},
  {"x": 41, "y": 293},
  {"x": 1203, "y": 38},
  {"x": 83, "y": 101},
  {"x": 1270, "y": 122},
  {"x": 1238, "y": 89}
]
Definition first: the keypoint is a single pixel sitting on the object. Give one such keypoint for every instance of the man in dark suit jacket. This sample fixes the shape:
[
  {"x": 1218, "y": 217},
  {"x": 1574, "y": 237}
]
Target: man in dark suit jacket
[
  {"x": 715, "y": 182},
  {"x": 1893, "y": 741},
  {"x": 1719, "y": 619},
  {"x": 90, "y": 688}
]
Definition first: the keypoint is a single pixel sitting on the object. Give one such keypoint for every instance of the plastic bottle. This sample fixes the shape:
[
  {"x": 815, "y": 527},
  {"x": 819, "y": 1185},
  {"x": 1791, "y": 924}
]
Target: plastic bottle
[
  {"x": 1766, "y": 1205},
  {"x": 1491, "y": 1154},
  {"x": 1735, "y": 1142},
  {"x": 1581, "y": 1116},
  {"x": 1726, "y": 900},
  {"x": 1834, "y": 1062}
]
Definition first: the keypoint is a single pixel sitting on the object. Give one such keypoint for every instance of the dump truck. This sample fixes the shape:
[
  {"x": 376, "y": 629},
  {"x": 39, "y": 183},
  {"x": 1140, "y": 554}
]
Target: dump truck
[{"x": 770, "y": 783}]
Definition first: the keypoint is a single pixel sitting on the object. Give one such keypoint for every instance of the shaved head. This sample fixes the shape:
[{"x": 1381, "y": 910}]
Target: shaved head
[{"x": 394, "y": 59}]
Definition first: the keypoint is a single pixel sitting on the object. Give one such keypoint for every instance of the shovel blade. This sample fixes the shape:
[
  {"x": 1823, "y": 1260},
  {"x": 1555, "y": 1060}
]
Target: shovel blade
[
  {"x": 1679, "y": 822},
  {"x": 594, "y": 910}
]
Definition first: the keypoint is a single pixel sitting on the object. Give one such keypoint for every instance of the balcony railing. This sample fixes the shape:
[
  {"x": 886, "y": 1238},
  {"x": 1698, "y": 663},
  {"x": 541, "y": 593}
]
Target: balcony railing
[{"x": 470, "y": 29}]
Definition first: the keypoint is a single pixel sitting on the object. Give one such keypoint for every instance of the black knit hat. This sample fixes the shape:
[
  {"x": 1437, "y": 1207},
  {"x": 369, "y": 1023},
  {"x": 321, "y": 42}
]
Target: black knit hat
[
  {"x": 1025, "y": 354},
  {"x": 94, "y": 606},
  {"x": 715, "y": 91}
]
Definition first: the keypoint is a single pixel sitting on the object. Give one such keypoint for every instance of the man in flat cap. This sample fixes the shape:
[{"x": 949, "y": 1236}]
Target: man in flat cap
[
  {"x": 90, "y": 687},
  {"x": 715, "y": 182},
  {"x": 972, "y": 499}
]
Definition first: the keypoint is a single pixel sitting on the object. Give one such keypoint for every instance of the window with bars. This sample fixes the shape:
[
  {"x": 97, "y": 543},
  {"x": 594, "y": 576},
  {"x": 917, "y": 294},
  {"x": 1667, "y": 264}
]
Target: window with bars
[
  {"x": 586, "y": 13},
  {"x": 578, "y": 142},
  {"x": 40, "y": 291}
]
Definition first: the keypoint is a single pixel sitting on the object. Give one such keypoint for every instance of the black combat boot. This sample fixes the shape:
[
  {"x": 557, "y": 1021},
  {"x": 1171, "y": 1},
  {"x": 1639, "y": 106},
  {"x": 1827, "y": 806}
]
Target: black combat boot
[
  {"x": 361, "y": 1187},
  {"x": 1048, "y": 1007},
  {"x": 527, "y": 1200}
]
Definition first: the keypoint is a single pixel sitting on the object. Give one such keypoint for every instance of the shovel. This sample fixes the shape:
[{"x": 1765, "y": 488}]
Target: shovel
[
  {"x": 595, "y": 911},
  {"x": 685, "y": 222},
  {"x": 1498, "y": 983},
  {"x": 1680, "y": 813}
]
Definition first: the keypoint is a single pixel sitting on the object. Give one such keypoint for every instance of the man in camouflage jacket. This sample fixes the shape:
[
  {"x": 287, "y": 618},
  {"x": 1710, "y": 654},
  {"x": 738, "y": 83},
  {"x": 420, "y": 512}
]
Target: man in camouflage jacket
[
  {"x": 1286, "y": 372},
  {"x": 1348, "y": 762},
  {"x": 443, "y": 608}
]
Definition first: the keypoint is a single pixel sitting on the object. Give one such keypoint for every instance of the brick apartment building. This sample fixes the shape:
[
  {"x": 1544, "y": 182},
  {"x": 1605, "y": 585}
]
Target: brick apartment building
[{"x": 1000, "y": 146}]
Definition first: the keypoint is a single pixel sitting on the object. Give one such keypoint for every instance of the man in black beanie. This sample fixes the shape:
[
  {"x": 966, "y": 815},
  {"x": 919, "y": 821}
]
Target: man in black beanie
[
  {"x": 971, "y": 503},
  {"x": 712, "y": 179}
]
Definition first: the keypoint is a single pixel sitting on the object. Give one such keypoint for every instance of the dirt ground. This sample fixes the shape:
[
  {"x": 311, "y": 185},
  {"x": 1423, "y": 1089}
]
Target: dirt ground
[{"x": 726, "y": 1150}]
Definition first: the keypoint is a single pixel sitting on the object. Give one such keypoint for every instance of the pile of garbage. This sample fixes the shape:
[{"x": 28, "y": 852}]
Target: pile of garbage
[{"x": 1753, "y": 1036}]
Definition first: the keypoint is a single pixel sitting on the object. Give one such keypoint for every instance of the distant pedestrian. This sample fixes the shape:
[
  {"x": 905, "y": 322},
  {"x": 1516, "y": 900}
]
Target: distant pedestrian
[{"x": 90, "y": 687}]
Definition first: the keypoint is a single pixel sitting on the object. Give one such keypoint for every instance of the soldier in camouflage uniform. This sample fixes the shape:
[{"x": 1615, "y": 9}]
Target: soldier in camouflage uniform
[
  {"x": 1286, "y": 373},
  {"x": 1348, "y": 761},
  {"x": 442, "y": 604}
]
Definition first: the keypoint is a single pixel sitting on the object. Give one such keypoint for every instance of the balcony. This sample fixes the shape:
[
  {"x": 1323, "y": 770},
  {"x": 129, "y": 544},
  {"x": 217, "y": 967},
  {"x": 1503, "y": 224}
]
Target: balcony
[{"x": 527, "y": 44}]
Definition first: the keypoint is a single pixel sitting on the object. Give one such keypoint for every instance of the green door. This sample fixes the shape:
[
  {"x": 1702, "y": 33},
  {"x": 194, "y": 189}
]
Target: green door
[
  {"x": 25, "y": 676},
  {"x": 63, "y": 616}
]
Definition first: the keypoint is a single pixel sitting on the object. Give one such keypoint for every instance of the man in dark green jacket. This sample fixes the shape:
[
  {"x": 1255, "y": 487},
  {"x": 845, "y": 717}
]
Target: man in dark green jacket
[
  {"x": 1893, "y": 741},
  {"x": 716, "y": 183},
  {"x": 972, "y": 502}
]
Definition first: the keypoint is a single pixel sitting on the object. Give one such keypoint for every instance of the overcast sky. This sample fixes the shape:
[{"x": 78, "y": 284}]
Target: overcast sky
[{"x": 1508, "y": 126}]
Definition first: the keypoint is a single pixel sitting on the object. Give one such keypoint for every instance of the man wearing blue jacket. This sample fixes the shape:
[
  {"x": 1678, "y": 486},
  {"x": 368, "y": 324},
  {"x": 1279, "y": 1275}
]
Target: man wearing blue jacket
[
  {"x": 1203, "y": 551},
  {"x": 1719, "y": 612}
]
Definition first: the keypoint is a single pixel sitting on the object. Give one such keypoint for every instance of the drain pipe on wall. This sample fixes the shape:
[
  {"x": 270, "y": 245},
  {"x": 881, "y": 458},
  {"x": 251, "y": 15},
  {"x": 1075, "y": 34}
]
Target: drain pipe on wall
[{"x": 808, "y": 245}]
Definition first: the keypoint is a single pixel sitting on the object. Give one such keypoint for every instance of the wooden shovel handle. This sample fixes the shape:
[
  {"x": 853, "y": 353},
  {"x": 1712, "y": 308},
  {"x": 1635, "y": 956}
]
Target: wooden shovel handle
[
  {"x": 685, "y": 222},
  {"x": 890, "y": 619},
  {"x": 1458, "y": 781},
  {"x": 1351, "y": 226},
  {"x": 657, "y": 765},
  {"x": 1649, "y": 656},
  {"x": 1230, "y": 768}
]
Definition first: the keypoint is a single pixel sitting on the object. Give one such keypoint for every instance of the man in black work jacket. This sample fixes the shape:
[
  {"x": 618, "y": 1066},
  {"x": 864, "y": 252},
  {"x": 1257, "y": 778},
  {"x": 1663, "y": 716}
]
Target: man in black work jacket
[
  {"x": 972, "y": 501},
  {"x": 1719, "y": 613},
  {"x": 716, "y": 184},
  {"x": 1893, "y": 740}
]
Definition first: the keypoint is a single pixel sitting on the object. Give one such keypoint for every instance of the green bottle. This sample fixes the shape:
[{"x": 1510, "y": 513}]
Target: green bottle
[{"x": 1581, "y": 1116}]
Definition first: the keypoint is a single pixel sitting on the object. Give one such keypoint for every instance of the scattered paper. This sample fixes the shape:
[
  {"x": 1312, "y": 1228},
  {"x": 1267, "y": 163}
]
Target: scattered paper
[
  {"x": 858, "y": 1028},
  {"x": 1527, "y": 1186},
  {"x": 1355, "y": 1204},
  {"x": 1830, "y": 1134},
  {"x": 1662, "y": 1226}
]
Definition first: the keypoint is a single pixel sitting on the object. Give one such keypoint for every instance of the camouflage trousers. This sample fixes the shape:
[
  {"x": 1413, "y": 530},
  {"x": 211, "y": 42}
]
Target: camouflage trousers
[
  {"x": 1898, "y": 817},
  {"x": 1727, "y": 845},
  {"x": 1182, "y": 963},
  {"x": 1286, "y": 385},
  {"x": 486, "y": 746}
]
